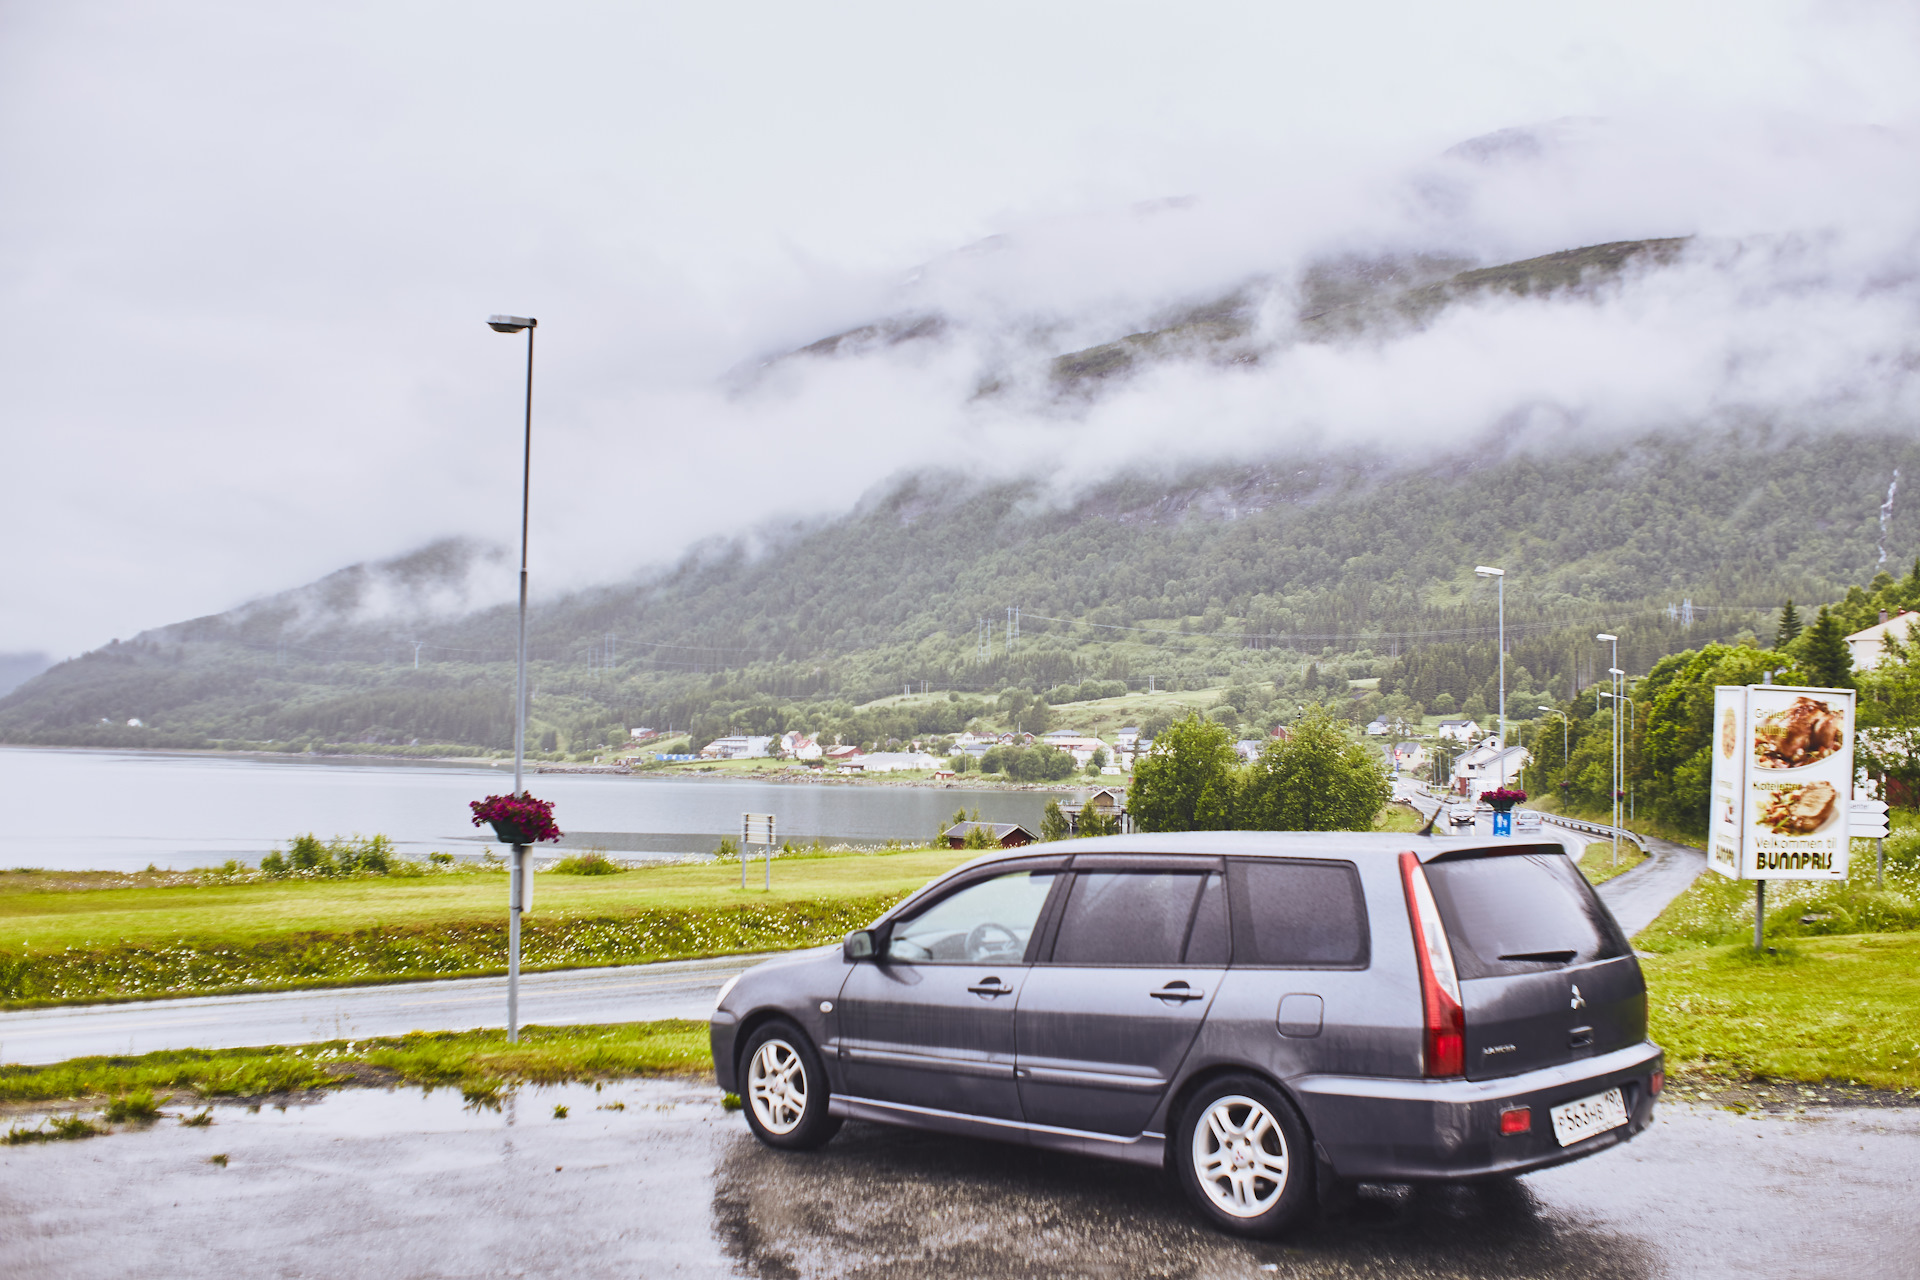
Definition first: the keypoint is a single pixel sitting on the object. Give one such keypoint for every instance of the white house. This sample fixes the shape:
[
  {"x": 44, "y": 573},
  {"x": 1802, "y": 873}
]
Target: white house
[
  {"x": 1869, "y": 646},
  {"x": 893, "y": 761},
  {"x": 1489, "y": 766},
  {"x": 1460, "y": 730},
  {"x": 1128, "y": 738},
  {"x": 798, "y": 746},
  {"x": 739, "y": 748},
  {"x": 1081, "y": 747},
  {"x": 1377, "y": 728}
]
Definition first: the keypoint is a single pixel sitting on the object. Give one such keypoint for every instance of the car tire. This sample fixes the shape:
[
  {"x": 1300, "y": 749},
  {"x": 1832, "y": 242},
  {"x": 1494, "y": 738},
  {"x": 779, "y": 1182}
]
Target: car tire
[
  {"x": 1242, "y": 1155},
  {"x": 783, "y": 1089}
]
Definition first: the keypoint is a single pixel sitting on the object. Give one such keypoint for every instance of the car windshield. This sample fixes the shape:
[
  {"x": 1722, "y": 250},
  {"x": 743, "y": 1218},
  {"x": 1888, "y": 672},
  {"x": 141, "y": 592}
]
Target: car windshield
[{"x": 989, "y": 921}]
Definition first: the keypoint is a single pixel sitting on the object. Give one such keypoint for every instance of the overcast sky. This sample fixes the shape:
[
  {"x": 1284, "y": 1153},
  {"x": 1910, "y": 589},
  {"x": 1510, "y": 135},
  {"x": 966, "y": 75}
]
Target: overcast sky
[{"x": 247, "y": 249}]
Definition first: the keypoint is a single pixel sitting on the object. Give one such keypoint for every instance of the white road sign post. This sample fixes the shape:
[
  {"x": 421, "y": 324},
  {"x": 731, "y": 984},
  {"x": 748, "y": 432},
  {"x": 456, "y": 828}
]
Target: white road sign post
[
  {"x": 1782, "y": 787},
  {"x": 756, "y": 828},
  {"x": 1868, "y": 817}
]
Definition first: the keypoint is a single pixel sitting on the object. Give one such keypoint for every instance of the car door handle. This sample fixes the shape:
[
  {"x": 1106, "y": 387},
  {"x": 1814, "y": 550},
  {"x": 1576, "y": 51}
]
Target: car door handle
[
  {"x": 990, "y": 987},
  {"x": 1178, "y": 991}
]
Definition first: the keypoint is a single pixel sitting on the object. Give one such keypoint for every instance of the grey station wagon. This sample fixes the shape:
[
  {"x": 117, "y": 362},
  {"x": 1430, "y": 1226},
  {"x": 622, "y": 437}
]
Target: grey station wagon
[{"x": 1266, "y": 1014}]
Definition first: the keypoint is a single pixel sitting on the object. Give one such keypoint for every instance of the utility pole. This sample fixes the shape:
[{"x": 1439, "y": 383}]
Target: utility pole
[{"x": 416, "y": 652}]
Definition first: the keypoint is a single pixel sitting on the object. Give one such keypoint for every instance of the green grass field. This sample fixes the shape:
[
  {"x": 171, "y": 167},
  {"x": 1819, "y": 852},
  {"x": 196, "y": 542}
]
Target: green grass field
[
  {"x": 46, "y": 912},
  {"x": 1842, "y": 1008},
  {"x": 66, "y": 938}
]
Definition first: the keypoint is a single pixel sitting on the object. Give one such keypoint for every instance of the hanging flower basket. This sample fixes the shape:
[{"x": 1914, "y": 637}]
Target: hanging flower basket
[
  {"x": 517, "y": 819},
  {"x": 1502, "y": 799}
]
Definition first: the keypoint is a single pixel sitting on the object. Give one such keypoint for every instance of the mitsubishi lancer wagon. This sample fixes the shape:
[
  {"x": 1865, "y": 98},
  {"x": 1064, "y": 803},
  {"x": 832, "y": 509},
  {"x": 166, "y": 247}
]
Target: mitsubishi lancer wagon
[{"x": 1269, "y": 1016}]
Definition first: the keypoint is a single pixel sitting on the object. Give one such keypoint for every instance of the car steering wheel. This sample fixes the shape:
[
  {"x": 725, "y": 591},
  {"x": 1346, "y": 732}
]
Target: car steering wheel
[{"x": 979, "y": 947}]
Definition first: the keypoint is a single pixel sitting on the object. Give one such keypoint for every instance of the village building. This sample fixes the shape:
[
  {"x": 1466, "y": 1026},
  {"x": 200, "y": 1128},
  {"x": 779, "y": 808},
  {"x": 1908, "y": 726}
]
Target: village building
[
  {"x": 1868, "y": 647},
  {"x": 798, "y": 746},
  {"x": 1488, "y": 767},
  {"x": 1008, "y": 835},
  {"x": 1081, "y": 747},
  {"x": 893, "y": 762},
  {"x": 752, "y": 747},
  {"x": 1459, "y": 730}
]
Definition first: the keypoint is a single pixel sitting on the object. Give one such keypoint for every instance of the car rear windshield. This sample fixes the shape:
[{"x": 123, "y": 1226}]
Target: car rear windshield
[
  {"x": 1297, "y": 914},
  {"x": 1520, "y": 913}
]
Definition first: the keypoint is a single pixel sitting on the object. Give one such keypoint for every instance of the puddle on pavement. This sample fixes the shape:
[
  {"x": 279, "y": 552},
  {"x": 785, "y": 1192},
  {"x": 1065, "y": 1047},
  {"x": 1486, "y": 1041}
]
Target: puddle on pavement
[{"x": 361, "y": 1112}]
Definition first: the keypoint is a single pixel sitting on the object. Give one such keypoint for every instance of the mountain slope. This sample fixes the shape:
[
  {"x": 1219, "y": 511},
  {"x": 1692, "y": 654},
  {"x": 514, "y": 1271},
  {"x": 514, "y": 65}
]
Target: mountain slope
[{"x": 1248, "y": 574}]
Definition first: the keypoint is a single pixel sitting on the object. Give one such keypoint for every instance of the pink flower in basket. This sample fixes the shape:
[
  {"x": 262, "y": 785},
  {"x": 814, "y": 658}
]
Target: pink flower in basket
[
  {"x": 1503, "y": 799},
  {"x": 516, "y": 819}
]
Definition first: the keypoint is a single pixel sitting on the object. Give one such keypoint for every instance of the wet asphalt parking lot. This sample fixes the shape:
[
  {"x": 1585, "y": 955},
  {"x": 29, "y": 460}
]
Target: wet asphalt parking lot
[{"x": 400, "y": 1184}]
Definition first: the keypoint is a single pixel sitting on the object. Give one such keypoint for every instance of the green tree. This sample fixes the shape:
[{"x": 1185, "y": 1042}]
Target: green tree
[
  {"x": 1823, "y": 653},
  {"x": 1188, "y": 782},
  {"x": 1790, "y": 625},
  {"x": 1092, "y": 823},
  {"x": 1053, "y": 822},
  {"x": 1316, "y": 779}
]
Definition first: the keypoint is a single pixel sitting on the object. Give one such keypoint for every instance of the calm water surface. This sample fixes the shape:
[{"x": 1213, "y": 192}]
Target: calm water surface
[{"x": 109, "y": 810}]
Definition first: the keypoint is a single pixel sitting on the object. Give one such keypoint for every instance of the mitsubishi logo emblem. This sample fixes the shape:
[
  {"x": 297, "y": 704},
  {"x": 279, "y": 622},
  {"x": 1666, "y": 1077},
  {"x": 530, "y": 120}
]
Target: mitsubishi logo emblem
[{"x": 1579, "y": 1001}]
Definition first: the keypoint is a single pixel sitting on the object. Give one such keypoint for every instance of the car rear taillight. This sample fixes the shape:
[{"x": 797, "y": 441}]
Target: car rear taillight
[
  {"x": 1445, "y": 1044},
  {"x": 1656, "y": 1082},
  {"x": 1516, "y": 1120}
]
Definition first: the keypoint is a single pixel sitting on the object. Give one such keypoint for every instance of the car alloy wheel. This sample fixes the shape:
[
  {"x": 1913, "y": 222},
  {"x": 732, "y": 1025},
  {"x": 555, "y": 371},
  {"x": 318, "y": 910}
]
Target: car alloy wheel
[
  {"x": 1240, "y": 1156},
  {"x": 783, "y": 1085},
  {"x": 777, "y": 1087},
  {"x": 1243, "y": 1156}
]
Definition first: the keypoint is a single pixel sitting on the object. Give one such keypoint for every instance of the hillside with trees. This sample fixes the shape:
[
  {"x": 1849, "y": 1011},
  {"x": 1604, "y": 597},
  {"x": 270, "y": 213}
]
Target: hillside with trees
[{"x": 1340, "y": 580}]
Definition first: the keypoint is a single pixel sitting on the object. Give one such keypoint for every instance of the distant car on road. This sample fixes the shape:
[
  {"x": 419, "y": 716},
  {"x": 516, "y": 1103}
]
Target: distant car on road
[
  {"x": 1263, "y": 1014},
  {"x": 1461, "y": 814},
  {"x": 1527, "y": 821}
]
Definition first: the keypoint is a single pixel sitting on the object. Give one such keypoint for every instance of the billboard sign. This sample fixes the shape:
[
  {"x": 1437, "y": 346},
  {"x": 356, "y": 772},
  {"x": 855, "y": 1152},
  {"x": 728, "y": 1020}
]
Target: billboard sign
[{"x": 1782, "y": 777}]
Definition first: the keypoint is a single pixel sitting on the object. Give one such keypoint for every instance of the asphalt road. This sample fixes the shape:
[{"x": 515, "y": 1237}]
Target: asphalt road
[
  {"x": 630, "y": 993},
  {"x": 376, "y": 1183}
]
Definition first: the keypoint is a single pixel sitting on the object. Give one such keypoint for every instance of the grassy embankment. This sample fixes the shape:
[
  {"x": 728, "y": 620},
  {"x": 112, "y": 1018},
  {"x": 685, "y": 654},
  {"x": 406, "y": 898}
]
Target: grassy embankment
[
  {"x": 1597, "y": 863},
  {"x": 68, "y": 937},
  {"x": 1836, "y": 996}
]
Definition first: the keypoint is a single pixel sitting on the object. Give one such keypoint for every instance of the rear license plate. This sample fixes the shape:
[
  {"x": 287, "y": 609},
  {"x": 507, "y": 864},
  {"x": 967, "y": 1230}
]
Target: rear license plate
[{"x": 1583, "y": 1119}]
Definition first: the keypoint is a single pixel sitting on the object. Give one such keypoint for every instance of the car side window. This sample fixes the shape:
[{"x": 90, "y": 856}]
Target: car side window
[
  {"x": 1141, "y": 918},
  {"x": 1297, "y": 914},
  {"x": 988, "y": 922}
]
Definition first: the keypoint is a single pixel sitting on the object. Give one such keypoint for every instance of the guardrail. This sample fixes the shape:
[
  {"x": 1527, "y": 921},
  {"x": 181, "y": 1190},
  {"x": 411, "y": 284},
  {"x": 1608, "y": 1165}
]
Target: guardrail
[{"x": 1594, "y": 828}]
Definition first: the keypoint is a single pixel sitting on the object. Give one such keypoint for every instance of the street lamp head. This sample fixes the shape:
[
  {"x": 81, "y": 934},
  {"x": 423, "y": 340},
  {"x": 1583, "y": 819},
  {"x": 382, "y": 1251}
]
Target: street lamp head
[
  {"x": 1615, "y": 671},
  {"x": 1543, "y": 708},
  {"x": 1485, "y": 572},
  {"x": 1604, "y": 636},
  {"x": 510, "y": 324}
]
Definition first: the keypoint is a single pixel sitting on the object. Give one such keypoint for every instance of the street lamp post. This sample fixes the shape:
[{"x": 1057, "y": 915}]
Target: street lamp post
[
  {"x": 1500, "y": 577},
  {"x": 517, "y": 881},
  {"x": 1615, "y": 673}
]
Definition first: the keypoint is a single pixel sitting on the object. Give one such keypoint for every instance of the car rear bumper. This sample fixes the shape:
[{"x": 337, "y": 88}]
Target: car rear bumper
[{"x": 1383, "y": 1130}]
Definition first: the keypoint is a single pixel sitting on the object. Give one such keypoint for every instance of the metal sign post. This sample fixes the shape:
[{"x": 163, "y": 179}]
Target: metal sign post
[{"x": 756, "y": 828}]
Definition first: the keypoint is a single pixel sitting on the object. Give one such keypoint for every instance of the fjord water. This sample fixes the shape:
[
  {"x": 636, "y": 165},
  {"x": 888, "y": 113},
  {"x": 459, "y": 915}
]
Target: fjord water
[{"x": 123, "y": 810}]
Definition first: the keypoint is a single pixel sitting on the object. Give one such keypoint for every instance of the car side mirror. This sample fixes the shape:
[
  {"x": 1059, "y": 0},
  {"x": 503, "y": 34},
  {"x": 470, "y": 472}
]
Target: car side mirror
[{"x": 861, "y": 944}]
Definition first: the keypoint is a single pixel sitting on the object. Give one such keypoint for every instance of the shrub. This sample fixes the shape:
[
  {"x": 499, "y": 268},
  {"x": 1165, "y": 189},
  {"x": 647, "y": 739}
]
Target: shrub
[{"x": 592, "y": 862}]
